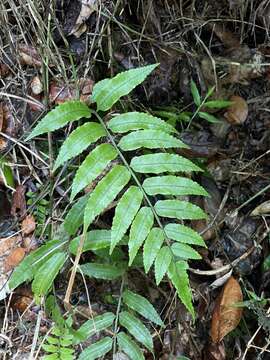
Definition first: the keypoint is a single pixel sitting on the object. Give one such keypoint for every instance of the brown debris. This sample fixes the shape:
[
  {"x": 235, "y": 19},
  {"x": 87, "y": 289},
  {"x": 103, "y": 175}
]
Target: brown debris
[
  {"x": 18, "y": 201},
  {"x": 226, "y": 315},
  {"x": 28, "y": 225},
  {"x": 238, "y": 111}
]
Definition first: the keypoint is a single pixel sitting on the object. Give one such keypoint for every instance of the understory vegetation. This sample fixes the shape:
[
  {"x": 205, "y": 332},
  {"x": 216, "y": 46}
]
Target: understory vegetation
[{"x": 134, "y": 180}]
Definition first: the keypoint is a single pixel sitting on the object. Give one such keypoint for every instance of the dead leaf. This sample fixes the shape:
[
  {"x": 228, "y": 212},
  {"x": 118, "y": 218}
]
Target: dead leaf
[
  {"x": 14, "y": 258},
  {"x": 226, "y": 316},
  {"x": 7, "y": 125},
  {"x": 6, "y": 244},
  {"x": 238, "y": 111},
  {"x": 88, "y": 7},
  {"x": 22, "y": 299},
  {"x": 214, "y": 352},
  {"x": 18, "y": 201},
  {"x": 29, "y": 56},
  {"x": 28, "y": 225},
  {"x": 262, "y": 209},
  {"x": 4, "y": 70},
  {"x": 59, "y": 93},
  {"x": 228, "y": 39}
]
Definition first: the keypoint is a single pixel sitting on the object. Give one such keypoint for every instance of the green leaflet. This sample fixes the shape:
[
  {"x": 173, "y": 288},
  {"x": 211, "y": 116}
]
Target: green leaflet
[
  {"x": 97, "y": 350},
  {"x": 46, "y": 274},
  {"x": 125, "y": 212},
  {"x": 107, "y": 92},
  {"x": 142, "y": 306},
  {"x": 26, "y": 269},
  {"x": 6, "y": 173},
  {"x": 92, "y": 326},
  {"x": 151, "y": 247},
  {"x": 102, "y": 271},
  {"x": 60, "y": 116},
  {"x": 139, "y": 230},
  {"x": 138, "y": 121},
  {"x": 177, "y": 273},
  {"x": 129, "y": 346},
  {"x": 105, "y": 192},
  {"x": 172, "y": 185},
  {"x": 94, "y": 240},
  {"x": 218, "y": 104},
  {"x": 92, "y": 167},
  {"x": 183, "y": 234},
  {"x": 195, "y": 93},
  {"x": 210, "y": 118},
  {"x": 74, "y": 218},
  {"x": 178, "y": 209},
  {"x": 185, "y": 252},
  {"x": 162, "y": 263},
  {"x": 162, "y": 162},
  {"x": 150, "y": 139},
  {"x": 136, "y": 328},
  {"x": 78, "y": 141}
]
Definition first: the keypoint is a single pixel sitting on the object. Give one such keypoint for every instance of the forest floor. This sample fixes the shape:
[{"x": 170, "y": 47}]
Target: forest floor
[{"x": 51, "y": 51}]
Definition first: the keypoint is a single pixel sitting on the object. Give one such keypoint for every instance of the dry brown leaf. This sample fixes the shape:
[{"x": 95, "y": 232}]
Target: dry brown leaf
[
  {"x": 7, "y": 124},
  {"x": 59, "y": 93},
  {"x": 238, "y": 111},
  {"x": 229, "y": 39},
  {"x": 14, "y": 258},
  {"x": 29, "y": 55},
  {"x": 88, "y": 7},
  {"x": 4, "y": 70},
  {"x": 7, "y": 244},
  {"x": 28, "y": 225},
  {"x": 18, "y": 201},
  {"x": 226, "y": 315},
  {"x": 22, "y": 299}
]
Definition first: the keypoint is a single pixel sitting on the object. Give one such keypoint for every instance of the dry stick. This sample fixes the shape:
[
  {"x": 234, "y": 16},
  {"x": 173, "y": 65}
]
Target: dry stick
[
  {"x": 34, "y": 343},
  {"x": 24, "y": 147},
  {"x": 73, "y": 272}
]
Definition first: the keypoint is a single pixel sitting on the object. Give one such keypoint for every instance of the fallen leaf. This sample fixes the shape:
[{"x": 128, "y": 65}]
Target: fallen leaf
[
  {"x": 262, "y": 209},
  {"x": 8, "y": 243},
  {"x": 14, "y": 258},
  {"x": 228, "y": 39},
  {"x": 226, "y": 315},
  {"x": 28, "y": 55},
  {"x": 88, "y": 7},
  {"x": 28, "y": 225},
  {"x": 22, "y": 299},
  {"x": 214, "y": 352},
  {"x": 7, "y": 125},
  {"x": 237, "y": 113},
  {"x": 18, "y": 201},
  {"x": 4, "y": 70},
  {"x": 60, "y": 93}
]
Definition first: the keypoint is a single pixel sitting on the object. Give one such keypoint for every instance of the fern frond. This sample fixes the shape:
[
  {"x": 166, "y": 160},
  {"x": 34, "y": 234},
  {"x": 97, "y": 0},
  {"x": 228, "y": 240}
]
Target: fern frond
[
  {"x": 78, "y": 141},
  {"x": 162, "y": 162},
  {"x": 105, "y": 192},
  {"x": 125, "y": 212},
  {"x": 97, "y": 161},
  {"x": 149, "y": 139},
  {"x": 138, "y": 121},
  {"x": 60, "y": 116}
]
